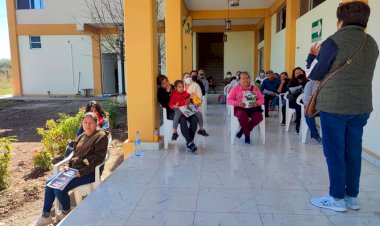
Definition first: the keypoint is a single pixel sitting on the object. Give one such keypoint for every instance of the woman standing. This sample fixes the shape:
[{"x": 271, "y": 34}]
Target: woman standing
[{"x": 345, "y": 102}]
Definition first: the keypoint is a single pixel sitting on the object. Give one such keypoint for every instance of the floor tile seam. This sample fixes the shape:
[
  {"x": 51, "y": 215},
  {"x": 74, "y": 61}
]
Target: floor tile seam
[{"x": 199, "y": 188}]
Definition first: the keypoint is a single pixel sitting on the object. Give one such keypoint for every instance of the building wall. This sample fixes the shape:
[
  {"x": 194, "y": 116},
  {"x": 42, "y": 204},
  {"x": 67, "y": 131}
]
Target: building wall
[
  {"x": 55, "y": 12},
  {"x": 371, "y": 132},
  {"x": 50, "y": 68},
  {"x": 327, "y": 12},
  {"x": 238, "y": 52},
  {"x": 278, "y": 47}
]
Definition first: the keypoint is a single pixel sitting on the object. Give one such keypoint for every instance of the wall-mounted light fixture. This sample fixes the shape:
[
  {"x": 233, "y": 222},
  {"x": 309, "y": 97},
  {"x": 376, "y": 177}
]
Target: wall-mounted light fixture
[
  {"x": 234, "y": 3},
  {"x": 227, "y": 24},
  {"x": 224, "y": 37}
]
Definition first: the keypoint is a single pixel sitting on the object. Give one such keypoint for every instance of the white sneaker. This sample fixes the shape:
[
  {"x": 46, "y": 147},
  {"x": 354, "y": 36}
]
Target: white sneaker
[
  {"x": 329, "y": 202},
  {"x": 352, "y": 202},
  {"x": 43, "y": 221}
]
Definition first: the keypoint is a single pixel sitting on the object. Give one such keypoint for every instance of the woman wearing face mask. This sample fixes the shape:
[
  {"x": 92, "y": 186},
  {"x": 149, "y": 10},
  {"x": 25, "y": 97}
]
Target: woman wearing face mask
[
  {"x": 191, "y": 86},
  {"x": 261, "y": 77},
  {"x": 227, "y": 80}
]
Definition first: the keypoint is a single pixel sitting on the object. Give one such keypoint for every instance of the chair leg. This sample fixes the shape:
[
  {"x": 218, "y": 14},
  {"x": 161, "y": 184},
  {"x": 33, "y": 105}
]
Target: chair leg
[
  {"x": 287, "y": 120},
  {"x": 78, "y": 197},
  {"x": 304, "y": 130}
]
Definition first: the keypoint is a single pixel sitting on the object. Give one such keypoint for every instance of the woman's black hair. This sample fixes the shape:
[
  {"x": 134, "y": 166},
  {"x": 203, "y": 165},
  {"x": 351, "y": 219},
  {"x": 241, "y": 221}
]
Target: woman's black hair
[
  {"x": 160, "y": 79},
  {"x": 285, "y": 73},
  {"x": 294, "y": 72},
  {"x": 97, "y": 106},
  {"x": 353, "y": 13}
]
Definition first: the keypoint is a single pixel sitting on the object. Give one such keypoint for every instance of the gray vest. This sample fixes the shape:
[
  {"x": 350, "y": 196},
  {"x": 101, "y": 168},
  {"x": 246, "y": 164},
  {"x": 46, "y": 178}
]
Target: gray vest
[{"x": 349, "y": 92}]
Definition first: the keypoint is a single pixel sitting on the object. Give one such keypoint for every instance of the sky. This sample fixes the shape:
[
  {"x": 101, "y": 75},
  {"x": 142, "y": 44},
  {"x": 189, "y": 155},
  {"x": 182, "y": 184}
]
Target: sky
[{"x": 4, "y": 37}]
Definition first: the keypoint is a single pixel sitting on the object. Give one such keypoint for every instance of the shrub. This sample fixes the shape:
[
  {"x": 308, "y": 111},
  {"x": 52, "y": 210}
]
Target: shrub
[
  {"x": 41, "y": 159},
  {"x": 111, "y": 107},
  {"x": 57, "y": 134},
  {"x": 5, "y": 157}
]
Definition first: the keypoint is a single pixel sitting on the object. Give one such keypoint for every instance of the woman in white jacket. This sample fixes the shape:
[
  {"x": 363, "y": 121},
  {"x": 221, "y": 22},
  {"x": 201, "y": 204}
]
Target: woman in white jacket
[{"x": 194, "y": 89}]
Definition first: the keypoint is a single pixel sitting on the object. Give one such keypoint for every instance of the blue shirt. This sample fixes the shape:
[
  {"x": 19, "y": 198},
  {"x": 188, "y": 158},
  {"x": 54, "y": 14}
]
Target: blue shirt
[
  {"x": 270, "y": 85},
  {"x": 325, "y": 59}
]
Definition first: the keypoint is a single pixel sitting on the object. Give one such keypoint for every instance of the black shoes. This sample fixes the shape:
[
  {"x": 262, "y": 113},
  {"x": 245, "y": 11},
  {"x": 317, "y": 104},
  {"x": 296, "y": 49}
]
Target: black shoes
[
  {"x": 203, "y": 133},
  {"x": 239, "y": 134},
  {"x": 191, "y": 146},
  {"x": 175, "y": 136},
  {"x": 247, "y": 140}
]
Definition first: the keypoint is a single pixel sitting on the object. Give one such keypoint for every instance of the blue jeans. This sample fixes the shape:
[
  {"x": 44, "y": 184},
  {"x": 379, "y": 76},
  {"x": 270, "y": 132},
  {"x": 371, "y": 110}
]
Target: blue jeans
[
  {"x": 310, "y": 121},
  {"x": 63, "y": 196},
  {"x": 274, "y": 102},
  {"x": 342, "y": 146}
]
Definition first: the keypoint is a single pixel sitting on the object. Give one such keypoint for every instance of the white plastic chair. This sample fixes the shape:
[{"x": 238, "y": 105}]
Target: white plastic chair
[
  {"x": 86, "y": 189},
  {"x": 204, "y": 105},
  {"x": 235, "y": 126},
  {"x": 304, "y": 127},
  {"x": 166, "y": 128},
  {"x": 280, "y": 106},
  {"x": 289, "y": 112}
]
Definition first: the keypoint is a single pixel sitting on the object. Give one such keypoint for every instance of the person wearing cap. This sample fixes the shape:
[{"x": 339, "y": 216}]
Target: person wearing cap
[{"x": 269, "y": 88}]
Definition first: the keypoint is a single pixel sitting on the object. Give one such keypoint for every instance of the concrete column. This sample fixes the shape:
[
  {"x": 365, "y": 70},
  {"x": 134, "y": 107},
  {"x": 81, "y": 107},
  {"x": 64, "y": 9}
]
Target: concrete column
[
  {"x": 292, "y": 13},
  {"x": 173, "y": 32},
  {"x": 142, "y": 68}
]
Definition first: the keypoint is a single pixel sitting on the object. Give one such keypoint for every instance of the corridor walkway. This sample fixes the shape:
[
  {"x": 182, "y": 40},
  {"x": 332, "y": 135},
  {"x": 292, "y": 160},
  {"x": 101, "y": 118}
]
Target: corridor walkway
[{"x": 226, "y": 184}]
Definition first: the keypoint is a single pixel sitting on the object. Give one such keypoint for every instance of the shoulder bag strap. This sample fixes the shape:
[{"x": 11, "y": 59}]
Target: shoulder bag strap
[{"x": 348, "y": 62}]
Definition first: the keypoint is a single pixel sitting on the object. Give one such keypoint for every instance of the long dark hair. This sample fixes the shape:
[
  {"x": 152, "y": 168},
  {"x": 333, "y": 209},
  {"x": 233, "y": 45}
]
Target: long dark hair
[{"x": 97, "y": 106}]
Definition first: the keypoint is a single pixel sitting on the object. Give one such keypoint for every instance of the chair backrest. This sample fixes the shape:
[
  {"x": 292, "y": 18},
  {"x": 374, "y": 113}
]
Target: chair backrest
[
  {"x": 299, "y": 98},
  {"x": 164, "y": 114},
  {"x": 286, "y": 100}
]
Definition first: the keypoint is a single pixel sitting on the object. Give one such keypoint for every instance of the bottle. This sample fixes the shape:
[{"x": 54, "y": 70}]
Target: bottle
[
  {"x": 137, "y": 144},
  {"x": 155, "y": 136}
]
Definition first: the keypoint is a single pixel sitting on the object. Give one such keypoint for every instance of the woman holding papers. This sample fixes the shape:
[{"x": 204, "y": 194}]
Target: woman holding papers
[{"x": 90, "y": 149}]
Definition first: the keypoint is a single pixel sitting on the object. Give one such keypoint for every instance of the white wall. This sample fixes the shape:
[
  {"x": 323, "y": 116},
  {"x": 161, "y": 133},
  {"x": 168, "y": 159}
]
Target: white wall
[
  {"x": 278, "y": 47},
  {"x": 50, "y": 68},
  {"x": 371, "y": 131},
  {"x": 326, "y": 11},
  {"x": 238, "y": 52},
  {"x": 55, "y": 12}
]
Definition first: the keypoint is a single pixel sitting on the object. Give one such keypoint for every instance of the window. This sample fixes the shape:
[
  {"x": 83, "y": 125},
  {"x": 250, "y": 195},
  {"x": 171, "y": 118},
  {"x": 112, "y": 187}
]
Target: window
[
  {"x": 281, "y": 19},
  {"x": 30, "y": 4},
  {"x": 35, "y": 42},
  {"x": 261, "y": 35},
  {"x": 307, "y": 5}
]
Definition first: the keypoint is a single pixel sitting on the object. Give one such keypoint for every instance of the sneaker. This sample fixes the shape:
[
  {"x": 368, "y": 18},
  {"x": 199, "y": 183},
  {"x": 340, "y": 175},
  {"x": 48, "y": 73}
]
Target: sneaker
[
  {"x": 43, "y": 221},
  {"x": 175, "y": 136},
  {"x": 282, "y": 123},
  {"x": 191, "y": 146},
  {"x": 266, "y": 115},
  {"x": 352, "y": 202},
  {"x": 329, "y": 202},
  {"x": 319, "y": 140},
  {"x": 247, "y": 140},
  {"x": 240, "y": 133},
  {"x": 203, "y": 133}
]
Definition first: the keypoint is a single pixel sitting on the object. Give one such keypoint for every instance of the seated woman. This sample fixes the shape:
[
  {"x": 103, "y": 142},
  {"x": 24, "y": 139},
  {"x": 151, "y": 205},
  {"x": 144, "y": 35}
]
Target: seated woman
[
  {"x": 310, "y": 88},
  {"x": 194, "y": 89},
  {"x": 188, "y": 132},
  {"x": 90, "y": 149},
  {"x": 103, "y": 121},
  {"x": 296, "y": 87},
  {"x": 248, "y": 115}
]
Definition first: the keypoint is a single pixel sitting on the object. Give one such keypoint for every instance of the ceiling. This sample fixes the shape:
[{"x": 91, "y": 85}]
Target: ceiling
[
  {"x": 221, "y": 22},
  {"x": 222, "y": 4}
]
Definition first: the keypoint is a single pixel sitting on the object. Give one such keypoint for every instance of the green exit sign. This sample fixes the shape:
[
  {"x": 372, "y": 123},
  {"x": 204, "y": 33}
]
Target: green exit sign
[{"x": 316, "y": 30}]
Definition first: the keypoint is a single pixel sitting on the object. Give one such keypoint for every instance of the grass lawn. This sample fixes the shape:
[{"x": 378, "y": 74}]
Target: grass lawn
[{"x": 5, "y": 85}]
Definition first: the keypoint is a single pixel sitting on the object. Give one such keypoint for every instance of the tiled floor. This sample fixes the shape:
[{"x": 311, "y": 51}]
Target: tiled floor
[{"x": 226, "y": 184}]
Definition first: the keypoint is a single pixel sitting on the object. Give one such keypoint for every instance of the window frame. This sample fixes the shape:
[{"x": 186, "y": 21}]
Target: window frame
[
  {"x": 261, "y": 34},
  {"x": 31, "y": 42},
  {"x": 310, "y": 6},
  {"x": 31, "y": 4},
  {"x": 281, "y": 19}
]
